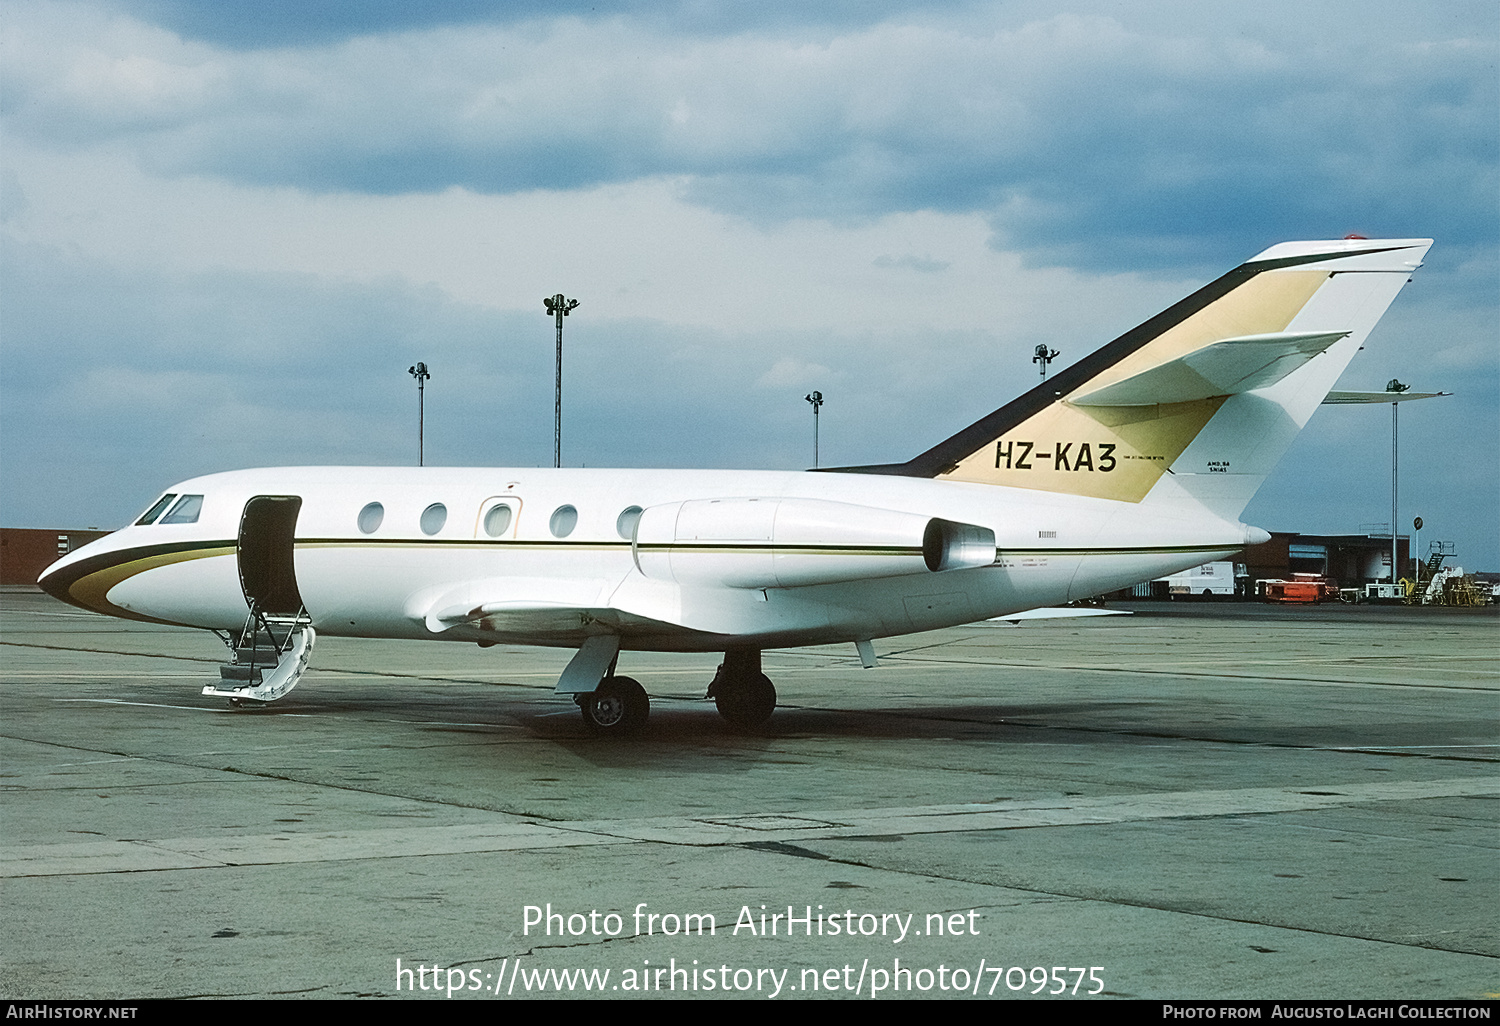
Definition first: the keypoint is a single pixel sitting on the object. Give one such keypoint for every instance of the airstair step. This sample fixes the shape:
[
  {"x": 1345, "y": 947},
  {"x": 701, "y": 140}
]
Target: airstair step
[
  {"x": 259, "y": 673},
  {"x": 258, "y": 656}
]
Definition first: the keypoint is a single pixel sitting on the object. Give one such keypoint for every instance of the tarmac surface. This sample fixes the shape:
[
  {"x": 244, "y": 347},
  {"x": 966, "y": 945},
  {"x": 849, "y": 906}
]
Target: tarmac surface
[{"x": 1198, "y": 801}]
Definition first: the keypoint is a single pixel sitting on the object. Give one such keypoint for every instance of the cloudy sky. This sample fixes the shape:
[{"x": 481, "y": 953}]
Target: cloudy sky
[{"x": 228, "y": 229}]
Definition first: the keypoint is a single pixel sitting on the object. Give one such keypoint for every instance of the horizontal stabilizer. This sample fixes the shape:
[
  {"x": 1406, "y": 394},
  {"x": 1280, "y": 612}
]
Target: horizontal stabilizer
[
  {"x": 1227, "y": 367},
  {"x": 1352, "y": 398}
]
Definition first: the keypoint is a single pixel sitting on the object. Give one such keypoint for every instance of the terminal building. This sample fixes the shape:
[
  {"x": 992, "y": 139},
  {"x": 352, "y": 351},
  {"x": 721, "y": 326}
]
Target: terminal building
[
  {"x": 1350, "y": 559},
  {"x": 1337, "y": 562},
  {"x": 25, "y": 553}
]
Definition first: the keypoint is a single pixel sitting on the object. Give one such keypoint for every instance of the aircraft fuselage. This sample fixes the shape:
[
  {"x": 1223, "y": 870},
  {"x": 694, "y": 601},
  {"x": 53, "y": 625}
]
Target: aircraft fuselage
[{"x": 553, "y": 577}]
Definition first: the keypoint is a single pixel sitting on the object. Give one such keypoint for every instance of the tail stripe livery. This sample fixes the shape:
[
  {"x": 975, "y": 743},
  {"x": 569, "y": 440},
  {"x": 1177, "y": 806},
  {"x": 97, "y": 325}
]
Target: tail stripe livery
[{"x": 1272, "y": 332}]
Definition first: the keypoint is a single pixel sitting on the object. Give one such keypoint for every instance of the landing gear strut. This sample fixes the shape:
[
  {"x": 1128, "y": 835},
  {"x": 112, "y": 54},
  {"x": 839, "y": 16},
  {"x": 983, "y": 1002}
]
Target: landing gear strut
[
  {"x": 744, "y": 696},
  {"x": 618, "y": 706}
]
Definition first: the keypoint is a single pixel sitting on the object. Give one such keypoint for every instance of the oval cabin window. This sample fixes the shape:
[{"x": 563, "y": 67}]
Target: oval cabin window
[
  {"x": 371, "y": 517},
  {"x": 564, "y": 519},
  {"x": 497, "y": 520},
  {"x": 434, "y": 517},
  {"x": 625, "y": 525}
]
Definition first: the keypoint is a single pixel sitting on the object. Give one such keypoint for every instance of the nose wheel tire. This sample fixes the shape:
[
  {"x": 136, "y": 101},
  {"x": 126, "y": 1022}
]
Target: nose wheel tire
[{"x": 619, "y": 706}]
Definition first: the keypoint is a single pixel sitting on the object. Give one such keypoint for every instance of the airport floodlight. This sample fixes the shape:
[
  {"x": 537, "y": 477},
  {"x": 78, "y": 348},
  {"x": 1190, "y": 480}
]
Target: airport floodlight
[
  {"x": 1395, "y": 393},
  {"x": 1416, "y": 549},
  {"x": 1043, "y": 357},
  {"x": 560, "y": 306},
  {"x": 420, "y": 373},
  {"x": 816, "y": 398}
]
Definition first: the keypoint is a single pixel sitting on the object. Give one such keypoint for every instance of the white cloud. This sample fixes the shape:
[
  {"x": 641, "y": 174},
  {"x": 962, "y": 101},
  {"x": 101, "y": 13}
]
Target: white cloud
[
  {"x": 636, "y": 250},
  {"x": 1082, "y": 136},
  {"x": 790, "y": 372}
]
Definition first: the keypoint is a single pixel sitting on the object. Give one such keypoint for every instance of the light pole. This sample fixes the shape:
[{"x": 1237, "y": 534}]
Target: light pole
[
  {"x": 1043, "y": 357},
  {"x": 1395, "y": 393},
  {"x": 420, "y": 373},
  {"x": 816, "y": 398},
  {"x": 1395, "y": 388},
  {"x": 561, "y": 306},
  {"x": 1416, "y": 527}
]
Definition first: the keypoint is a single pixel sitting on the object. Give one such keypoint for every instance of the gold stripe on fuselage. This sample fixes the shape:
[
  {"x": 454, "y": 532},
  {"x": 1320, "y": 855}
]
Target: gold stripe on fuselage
[{"x": 92, "y": 589}]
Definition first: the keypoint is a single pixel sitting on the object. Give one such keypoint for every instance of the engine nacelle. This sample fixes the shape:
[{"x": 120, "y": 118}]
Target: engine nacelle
[{"x": 789, "y": 543}]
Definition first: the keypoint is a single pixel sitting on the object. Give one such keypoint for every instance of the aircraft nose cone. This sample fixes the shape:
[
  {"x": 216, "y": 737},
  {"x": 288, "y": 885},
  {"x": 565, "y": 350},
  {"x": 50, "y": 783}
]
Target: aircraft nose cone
[
  {"x": 54, "y": 582},
  {"x": 1255, "y": 536}
]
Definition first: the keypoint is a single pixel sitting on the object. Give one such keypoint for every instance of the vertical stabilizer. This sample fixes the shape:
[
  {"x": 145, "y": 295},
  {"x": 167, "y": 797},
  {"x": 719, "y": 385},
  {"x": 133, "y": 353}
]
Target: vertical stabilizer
[{"x": 1197, "y": 404}]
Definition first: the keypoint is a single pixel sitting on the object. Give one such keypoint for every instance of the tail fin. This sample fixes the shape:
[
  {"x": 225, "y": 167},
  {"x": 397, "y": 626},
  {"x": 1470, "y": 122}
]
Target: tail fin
[{"x": 1201, "y": 401}]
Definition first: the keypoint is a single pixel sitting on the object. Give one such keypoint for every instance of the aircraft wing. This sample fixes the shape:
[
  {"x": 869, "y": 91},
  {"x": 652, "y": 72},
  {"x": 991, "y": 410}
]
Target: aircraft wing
[
  {"x": 1059, "y": 613},
  {"x": 542, "y": 604},
  {"x": 549, "y": 611}
]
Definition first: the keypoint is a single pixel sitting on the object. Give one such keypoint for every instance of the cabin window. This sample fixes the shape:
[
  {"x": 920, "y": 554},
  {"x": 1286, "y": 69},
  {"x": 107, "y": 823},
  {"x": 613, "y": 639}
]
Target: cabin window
[
  {"x": 155, "y": 511},
  {"x": 434, "y": 517},
  {"x": 497, "y": 520},
  {"x": 185, "y": 512},
  {"x": 371, "y": 517},
  {"x": 564, "y": 519},
  {"x": 625, "y": 525}
]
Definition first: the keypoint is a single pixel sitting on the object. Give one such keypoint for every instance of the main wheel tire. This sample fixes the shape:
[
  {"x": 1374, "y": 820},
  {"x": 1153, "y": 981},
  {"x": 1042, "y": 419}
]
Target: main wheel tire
[
  {"x": 748, "y": 702},
  {"x": 618, "y": 706}
]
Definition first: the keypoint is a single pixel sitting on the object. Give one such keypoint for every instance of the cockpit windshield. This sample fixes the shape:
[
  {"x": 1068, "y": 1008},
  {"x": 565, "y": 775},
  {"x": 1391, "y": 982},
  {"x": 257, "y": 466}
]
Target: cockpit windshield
[
  {"x": 149, "y": 517},
  {"x": 186, "y": 510}
]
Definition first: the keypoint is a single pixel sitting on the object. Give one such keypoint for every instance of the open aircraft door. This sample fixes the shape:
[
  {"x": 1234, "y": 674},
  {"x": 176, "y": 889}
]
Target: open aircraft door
[
  {"x": 265, "y": 553},
  {"x": 273, "y": 648}
]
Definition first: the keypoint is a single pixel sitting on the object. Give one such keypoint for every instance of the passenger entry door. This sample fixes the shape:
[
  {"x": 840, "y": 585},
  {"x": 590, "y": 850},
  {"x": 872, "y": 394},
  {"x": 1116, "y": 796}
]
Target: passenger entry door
[{"x": 264, "y": 552}]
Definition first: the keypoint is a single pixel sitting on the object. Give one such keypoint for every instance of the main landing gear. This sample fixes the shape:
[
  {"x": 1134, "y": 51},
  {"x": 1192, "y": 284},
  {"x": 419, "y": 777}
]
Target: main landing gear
[
  {"x": 618, "y": 706},
  {"x": 744, "y": 696}
]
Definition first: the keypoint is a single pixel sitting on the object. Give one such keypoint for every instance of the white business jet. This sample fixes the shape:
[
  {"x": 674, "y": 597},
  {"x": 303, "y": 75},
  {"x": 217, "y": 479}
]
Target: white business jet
[{"x": 1133, "y": 463}]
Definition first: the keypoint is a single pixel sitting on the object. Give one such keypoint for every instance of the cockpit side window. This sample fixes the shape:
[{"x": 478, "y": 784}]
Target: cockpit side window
[
  {"x": 186, "y": 511},
  {"x": 151, "y": 514}
]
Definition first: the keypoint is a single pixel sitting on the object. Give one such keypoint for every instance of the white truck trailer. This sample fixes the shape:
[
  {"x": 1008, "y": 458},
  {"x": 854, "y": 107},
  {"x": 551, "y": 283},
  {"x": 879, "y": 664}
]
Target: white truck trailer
[{"x": 1211, "y": 580}]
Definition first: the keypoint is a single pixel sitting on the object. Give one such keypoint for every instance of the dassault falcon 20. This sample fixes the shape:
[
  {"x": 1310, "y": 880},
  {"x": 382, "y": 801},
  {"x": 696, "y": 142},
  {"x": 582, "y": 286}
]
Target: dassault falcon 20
[{"x": 1133, "y": 463}]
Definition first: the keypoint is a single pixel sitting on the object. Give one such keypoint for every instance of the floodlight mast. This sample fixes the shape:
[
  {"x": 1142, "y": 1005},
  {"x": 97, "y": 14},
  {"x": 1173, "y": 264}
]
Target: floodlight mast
[
  {"x": 1395, "y": 388},
  {"x": 1043, "y": 357},
  {"x": 561, "y": 306},
  {"x": 816, "y": 398},
  {"x": 420, "y": 373},
  {"x": 1397, "y": 393}
]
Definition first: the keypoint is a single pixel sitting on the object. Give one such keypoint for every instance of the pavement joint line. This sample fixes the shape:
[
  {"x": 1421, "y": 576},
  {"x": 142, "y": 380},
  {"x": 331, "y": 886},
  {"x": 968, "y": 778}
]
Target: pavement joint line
[
  {"x": 1195, "y": 674},
  {"x": 1037, "y": 894},
  {"x": 836, "y": 663},
  {"x": 512, "y": 832}
]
